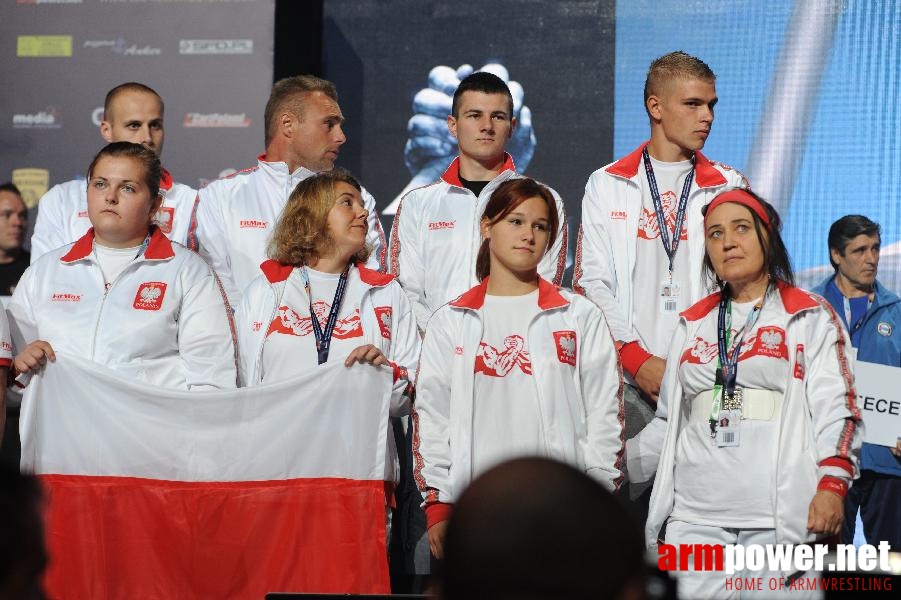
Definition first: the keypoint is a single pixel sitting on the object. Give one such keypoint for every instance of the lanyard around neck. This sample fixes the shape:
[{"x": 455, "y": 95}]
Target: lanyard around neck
[
  {"x": 727, "y": 373},
  {"x": 669, "y": 246},
  {"x": 324, "y": 337}
]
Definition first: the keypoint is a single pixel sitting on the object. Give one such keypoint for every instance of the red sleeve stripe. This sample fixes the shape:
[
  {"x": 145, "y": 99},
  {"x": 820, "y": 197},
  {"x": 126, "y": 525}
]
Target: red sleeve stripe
[
  {"x": 577, "y": 269},
  {"x": 833, "y": 484},
  {"x": 839, "y": 462}
]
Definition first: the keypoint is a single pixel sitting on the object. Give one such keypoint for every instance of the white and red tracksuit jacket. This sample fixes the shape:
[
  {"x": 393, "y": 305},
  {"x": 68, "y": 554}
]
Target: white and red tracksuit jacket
[
  {"x": 386, "y": 318},
  {"x": 579, "y": 393},
  {"x": 234, "y": 218},
  {"x": 820, "y": 431},
  {"x": 606, "y": 247},
  {"x": 435, "y": 239},
  {"x": 63, "y": 214},
  {"x": 163, "y": 320}
]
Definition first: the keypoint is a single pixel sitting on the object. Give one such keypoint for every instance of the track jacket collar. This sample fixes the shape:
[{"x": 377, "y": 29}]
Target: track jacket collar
[
  {"x": 882, "y": 298},
  {"x": 166, "y": 181},
  {"x": 281, "y": 167},
  {"x": 277, "y": 272},
  {"x": 159, "y": 247},
  {"x": 706, "y": 174},
  {"x": 452, "y": 174},
  {"x": 794, "y": 300},
  {"x": 549, "y": 296}
]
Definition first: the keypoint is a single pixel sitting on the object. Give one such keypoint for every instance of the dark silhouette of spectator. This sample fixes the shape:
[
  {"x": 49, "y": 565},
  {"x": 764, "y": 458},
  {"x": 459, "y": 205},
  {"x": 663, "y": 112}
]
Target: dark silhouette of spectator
[
  {"x": 536, "y": 529},
  {"x": 22, "y": 554}
]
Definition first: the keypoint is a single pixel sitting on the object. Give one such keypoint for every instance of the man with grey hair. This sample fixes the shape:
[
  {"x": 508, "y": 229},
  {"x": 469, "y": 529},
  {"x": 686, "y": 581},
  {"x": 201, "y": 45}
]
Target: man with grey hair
[{"x": 234, "y": 216}]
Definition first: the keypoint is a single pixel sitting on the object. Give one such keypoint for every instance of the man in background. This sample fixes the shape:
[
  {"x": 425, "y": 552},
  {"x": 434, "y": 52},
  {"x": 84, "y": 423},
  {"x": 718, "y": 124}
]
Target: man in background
[
  {"x": 13, "y": 225},
  {"x": 132, "y": 112},
  {"x": 872, "y": 315},
  {"x": 235, "y": 215}
]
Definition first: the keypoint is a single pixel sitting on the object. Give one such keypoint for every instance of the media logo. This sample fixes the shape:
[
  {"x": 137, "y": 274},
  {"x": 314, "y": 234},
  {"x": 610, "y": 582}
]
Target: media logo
[
  {"x": 44, "y": 46},
  {"x": 215, "y": 46},
  {"x": 216, "y": 120},
  {"x": 46, "y": 119}
]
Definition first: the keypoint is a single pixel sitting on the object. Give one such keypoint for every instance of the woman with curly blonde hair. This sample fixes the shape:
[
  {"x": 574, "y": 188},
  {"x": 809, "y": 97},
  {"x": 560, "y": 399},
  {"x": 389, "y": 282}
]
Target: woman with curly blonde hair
[{"x": 316, "y": 269}]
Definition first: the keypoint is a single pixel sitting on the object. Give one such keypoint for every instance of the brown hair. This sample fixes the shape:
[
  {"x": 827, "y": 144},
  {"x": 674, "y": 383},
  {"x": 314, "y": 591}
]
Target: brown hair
[
  {"x": 504, "y": 199},
  {"x": 301, "y": 234},
  {"x": 289, "y": 94},
  {"x": 149, "y": 161}
]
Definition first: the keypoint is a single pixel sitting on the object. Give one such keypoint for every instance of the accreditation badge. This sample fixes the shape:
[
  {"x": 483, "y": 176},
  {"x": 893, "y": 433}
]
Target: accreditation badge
[
  {"x": 670, "y": 291},
  {"x": 728, "y": 425}
]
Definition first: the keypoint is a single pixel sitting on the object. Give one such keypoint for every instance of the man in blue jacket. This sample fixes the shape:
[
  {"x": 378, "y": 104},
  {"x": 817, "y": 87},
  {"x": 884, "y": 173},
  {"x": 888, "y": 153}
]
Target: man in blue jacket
[{"x": 872, "y": 315}]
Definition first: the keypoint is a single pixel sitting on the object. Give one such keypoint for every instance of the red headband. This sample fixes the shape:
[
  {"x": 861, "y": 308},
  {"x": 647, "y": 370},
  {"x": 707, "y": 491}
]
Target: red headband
[{"x": 739, "y": 196}]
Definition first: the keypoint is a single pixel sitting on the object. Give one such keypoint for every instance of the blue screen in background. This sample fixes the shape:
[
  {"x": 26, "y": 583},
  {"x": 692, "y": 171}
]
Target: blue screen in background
[{"x": 850, "y": 149}]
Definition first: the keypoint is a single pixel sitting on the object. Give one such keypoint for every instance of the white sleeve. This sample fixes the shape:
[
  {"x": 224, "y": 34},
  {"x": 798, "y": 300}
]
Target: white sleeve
[
  {"x": 50, "y": 228},
  {"x": 431, "y": 413},
  {"x": 375, "y": 236},
  {"x": 206, "y": 334},
  {"x": 602, "y": 392},
  {"x": 208, "y": 238},
  {"x": 644, "y": 450},
  {"x": 553, "y": 263},
  {"x": 406, "y": 259},
  {"x": 595, "y": 272},
  {"x": 405, "y": 348},
  {"x": 831, "y": 397}
]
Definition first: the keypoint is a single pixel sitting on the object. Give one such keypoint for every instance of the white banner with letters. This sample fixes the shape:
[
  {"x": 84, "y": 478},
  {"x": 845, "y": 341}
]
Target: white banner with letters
[{"x": 879, "y": 401}]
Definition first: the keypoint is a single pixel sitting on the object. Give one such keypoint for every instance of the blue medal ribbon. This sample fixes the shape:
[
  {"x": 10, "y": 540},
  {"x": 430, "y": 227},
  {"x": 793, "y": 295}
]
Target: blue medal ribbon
[
  {"x": 324, "y": 338},
  {"x": 669, "y": 246}
]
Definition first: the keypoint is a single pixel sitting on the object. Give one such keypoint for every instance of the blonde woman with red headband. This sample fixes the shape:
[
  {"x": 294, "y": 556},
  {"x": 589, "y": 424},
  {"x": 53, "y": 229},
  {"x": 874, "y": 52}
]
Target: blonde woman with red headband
[{"x": 756, "y": 436}]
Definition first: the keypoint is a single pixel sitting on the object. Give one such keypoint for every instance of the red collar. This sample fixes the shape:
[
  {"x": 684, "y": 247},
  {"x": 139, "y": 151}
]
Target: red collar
[
  {"x": 706, "y": 175},
  {"x": 793, "y": 299},
  {"x": 276, "y": 272},
  {"x": 452, "y": 174},
  {"x": 548, "y": 296},
  {"x": 159, "y": 247},
  {"x": 166, "y": 181}
]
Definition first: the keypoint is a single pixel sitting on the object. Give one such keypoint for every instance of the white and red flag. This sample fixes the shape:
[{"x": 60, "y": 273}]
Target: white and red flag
[{"x": 155, "y": 493}]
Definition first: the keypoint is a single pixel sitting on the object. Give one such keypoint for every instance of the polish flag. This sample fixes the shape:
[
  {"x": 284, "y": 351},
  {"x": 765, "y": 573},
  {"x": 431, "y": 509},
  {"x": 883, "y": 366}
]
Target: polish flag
[{"x": 154, "y": 493}]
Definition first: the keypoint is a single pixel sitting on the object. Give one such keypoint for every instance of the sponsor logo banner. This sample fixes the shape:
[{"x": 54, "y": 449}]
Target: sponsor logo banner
[
  {"x": 45, "y": 119},
  {"x": 44, "y": 46},
  {"x": 121, "y": 46},
  {"x": 33, "y": 183},
  {"x": 215, "y": 46},
  {"x": 216, "y": 120}
]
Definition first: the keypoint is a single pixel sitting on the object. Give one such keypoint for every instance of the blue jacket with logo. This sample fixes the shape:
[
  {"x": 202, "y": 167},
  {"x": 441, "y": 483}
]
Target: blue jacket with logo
[{"x": 880, "y": 343}]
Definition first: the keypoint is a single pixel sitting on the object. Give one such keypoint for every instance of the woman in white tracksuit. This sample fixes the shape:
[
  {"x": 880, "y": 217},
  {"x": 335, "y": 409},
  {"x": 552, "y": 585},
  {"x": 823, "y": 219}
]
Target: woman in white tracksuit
[
  {"x": 123, "y": 295},
  {"x": 316, "y": 267},
  {"x": 514, "y": 366},
  {"x": 756, "y": 434}
]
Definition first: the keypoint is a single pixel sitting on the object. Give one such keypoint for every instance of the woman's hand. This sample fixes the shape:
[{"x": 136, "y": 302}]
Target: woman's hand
[
  {"x": 34, "y": 356},
  {"x": 826, "y": 513},
  {"x": 367, "y": 354},
  {"x": 437, "y": 533}
]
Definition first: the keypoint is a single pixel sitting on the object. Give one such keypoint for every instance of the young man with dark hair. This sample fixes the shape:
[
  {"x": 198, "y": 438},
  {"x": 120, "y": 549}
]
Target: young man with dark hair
[
  {"x": 872, "y": 315},
  {"x": 234, "y": 216},
  {"x": 641, "y": 245},
  {"x": 435, "y": 236},
  {"x": 132, "y": 112}
]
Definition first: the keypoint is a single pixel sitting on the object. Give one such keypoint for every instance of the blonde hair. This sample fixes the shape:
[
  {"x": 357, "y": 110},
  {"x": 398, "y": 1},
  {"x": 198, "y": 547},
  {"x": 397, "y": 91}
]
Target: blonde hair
[
  {"x": 675, "y": 65},
  {"x": 301, "y": 234}
]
